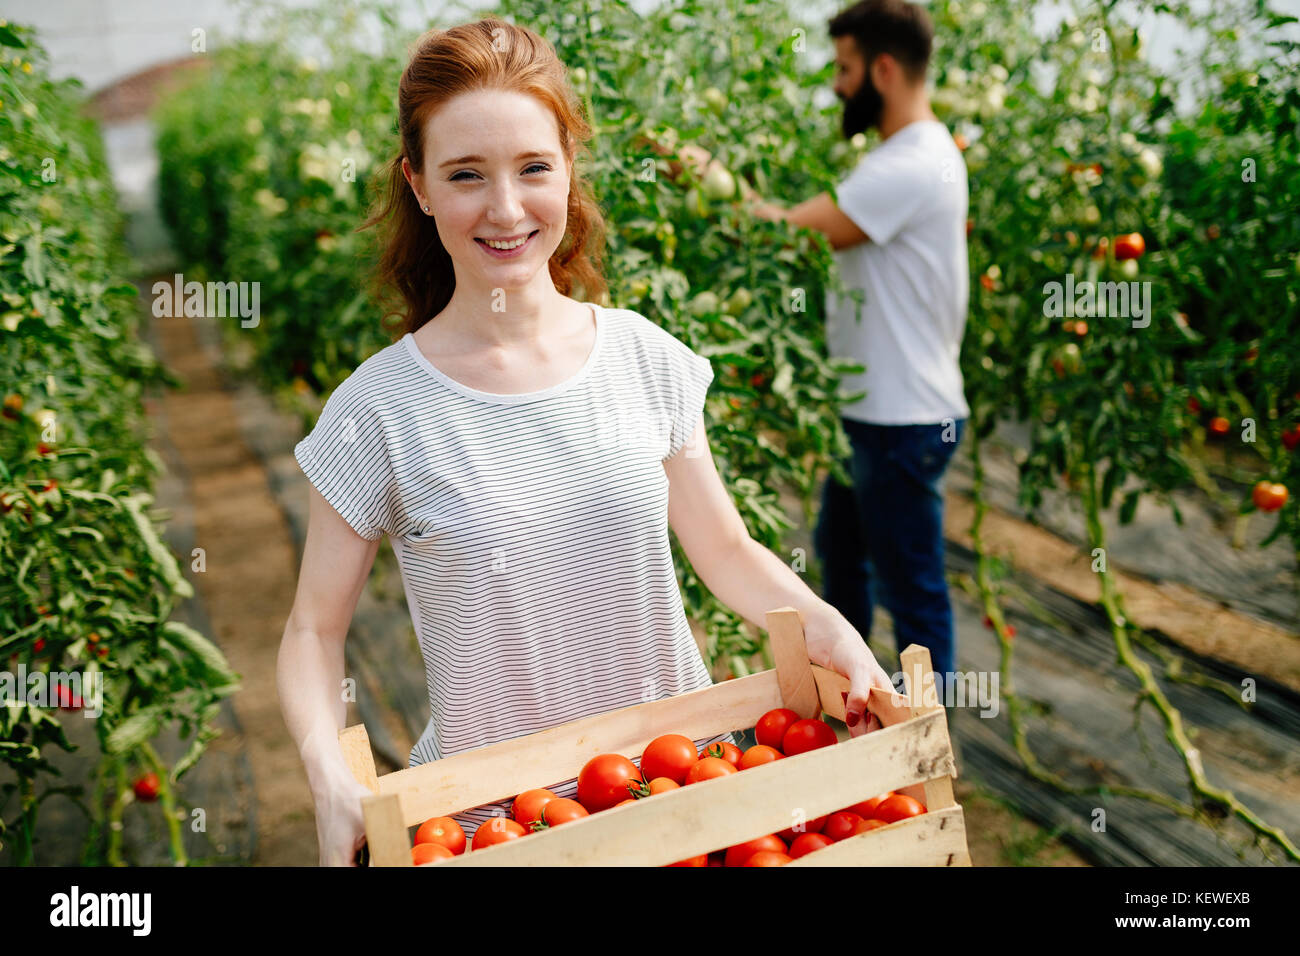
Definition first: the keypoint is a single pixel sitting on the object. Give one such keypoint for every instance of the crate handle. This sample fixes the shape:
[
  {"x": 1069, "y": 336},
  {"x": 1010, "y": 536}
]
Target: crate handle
[{"x": 793, "y": 669}]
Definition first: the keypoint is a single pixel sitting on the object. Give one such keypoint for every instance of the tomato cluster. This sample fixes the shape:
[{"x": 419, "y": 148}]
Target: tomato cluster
[{"x": 670, "y": 762}]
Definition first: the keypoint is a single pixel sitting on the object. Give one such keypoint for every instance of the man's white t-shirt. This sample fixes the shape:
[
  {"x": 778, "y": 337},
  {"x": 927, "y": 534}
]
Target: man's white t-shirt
[
  {"x": 910, "y": 196},
  {"x": 531, "y": 531}
]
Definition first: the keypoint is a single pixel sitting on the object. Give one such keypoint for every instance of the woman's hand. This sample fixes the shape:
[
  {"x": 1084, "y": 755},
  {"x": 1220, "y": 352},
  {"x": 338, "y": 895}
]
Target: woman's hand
[
  {"x": 835, "y": 644},
  {"x": 340, "y": 827}
]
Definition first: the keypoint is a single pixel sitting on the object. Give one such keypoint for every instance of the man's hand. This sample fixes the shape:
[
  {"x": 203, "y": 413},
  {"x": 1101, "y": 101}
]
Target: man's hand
[{"x": 700, "y": 161}]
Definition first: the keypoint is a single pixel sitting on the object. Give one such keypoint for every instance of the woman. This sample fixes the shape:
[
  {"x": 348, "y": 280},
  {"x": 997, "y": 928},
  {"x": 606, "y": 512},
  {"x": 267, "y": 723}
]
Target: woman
[{"x": 525, "y": 452}]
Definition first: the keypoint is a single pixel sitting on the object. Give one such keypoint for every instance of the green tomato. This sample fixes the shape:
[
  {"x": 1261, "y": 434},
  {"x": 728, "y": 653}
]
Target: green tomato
[
  {"x": 1072, "y": 358},
  {"x": 738, "y": 302},
  {"x": 579, "y": 76},
  {"x": 638, "y": 289},
  {"x": 719, "y": 184},
  {"x": 716, "y": 100},
  {"x": 705, "y": 303}
]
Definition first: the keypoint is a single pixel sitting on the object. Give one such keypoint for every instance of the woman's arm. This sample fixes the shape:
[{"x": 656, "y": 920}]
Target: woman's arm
[
  {"x": 310, "y": 669},
  {"x": 751, "y": 580}
]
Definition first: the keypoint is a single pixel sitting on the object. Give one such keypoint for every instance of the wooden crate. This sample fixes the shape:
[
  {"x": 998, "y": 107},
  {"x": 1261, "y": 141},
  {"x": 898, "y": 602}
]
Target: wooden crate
[{"x": 914, "y": 756}]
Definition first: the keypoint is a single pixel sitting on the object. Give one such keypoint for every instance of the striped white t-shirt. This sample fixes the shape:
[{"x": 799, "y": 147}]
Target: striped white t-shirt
[{"x": 531, "y": 531}]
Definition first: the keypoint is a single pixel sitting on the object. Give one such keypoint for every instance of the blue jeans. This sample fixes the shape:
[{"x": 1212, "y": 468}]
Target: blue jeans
[{"x": 882, "y": 539}]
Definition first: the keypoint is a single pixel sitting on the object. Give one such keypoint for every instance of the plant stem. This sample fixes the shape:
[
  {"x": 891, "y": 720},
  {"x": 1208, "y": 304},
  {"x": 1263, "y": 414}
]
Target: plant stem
[
  {"x": 167, "y": 796},
  {"x": 1150, "y": 690}
]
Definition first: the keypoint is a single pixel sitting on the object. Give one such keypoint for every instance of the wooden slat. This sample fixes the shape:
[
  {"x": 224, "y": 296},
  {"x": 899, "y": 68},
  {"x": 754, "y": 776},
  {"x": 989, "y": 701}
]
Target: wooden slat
[
  {"x": 799, "y": 690},
  {"x": 504, "y": 770},
  {"x": 932, "y": 839},
  {"x": 355, "y": 744},
  {"x": 718, "y": 813},
  {"x": 386, "y": 836},
  {"x": 921, "y": 689}
]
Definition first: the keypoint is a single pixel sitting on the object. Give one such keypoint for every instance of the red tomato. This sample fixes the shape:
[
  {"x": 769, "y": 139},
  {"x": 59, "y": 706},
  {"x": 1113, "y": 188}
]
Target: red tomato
[
  {"x": 603, "y": 781},
  {"x": 1269, "y": 496},
  {"x": 146, "y": 788},
  {"x": 1130, "y": 246},
  {"x": 805, "y": 843},
  {"x": 443, "y": 831},
  {"x": 663, "y": 785},
  {"x": 768, "y": 858},
  {"x": 867, "y": 808},
  {"x": 864, "y": 825},
  {"x": 497, "y": 830},
  {"x": 841, "y": 824},
  {"x": 809, "y": 826},
  {"x": 708, "y": 768},
  {"x": 728, "y": 752},
  {"x": 759, "y": 754},
  {"x": 899, "y": 807},
  {"x": 528, "y": 806},
  {"x": 808, "y": 734},
  {"x": 1291, "y": 438},
  {"x": 668, "y": 756},
  {"x": 738, "y": 854},
  {"x": 1219, "y": 425},
  {"x": 563, "y": 810},
  {"x": 771, "y": 727},
  {"x": 423, "y": 853},
  {"x": 642, "y": 789},
  {"x": 701, "y": 860}
]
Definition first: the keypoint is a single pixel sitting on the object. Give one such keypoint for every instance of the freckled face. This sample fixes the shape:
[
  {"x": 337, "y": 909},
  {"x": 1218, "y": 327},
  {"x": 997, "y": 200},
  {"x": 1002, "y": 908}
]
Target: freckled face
[{"x": 494, "y": 170}]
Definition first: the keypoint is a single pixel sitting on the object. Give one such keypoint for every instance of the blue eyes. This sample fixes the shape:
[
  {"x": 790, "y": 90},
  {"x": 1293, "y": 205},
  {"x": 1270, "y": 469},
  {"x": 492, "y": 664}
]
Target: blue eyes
[{"x": 466, "y": 172}]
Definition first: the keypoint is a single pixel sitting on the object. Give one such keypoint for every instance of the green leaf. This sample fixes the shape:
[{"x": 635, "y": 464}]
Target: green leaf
[
  {"x": 208, "y": 654},
  {"x": 1129, "y": 507},
  {"x": 132, "y": 732},
  {"x": 9, "y": 38},
  {"x": 161, "y": 554}
]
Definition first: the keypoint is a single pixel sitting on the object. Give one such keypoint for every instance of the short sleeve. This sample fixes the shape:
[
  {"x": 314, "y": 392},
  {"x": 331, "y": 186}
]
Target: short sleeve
[
  {"x": 692, "y": 377},
  {"x": 883, "y": 192},
  {"x": 345, "y": 456}
]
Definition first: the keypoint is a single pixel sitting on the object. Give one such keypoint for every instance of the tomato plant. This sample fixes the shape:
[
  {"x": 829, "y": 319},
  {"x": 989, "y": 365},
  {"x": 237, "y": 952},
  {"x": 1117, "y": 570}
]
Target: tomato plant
[{"x": 90, "y": 586}]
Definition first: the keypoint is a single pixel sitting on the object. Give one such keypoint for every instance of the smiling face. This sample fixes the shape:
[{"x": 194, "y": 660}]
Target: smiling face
[{"x": 494, "y": 170}]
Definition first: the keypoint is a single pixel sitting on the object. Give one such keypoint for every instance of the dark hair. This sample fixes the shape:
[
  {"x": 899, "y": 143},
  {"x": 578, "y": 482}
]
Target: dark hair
[
  {"x": 488, "y": 55},
  {"x": 901, "y": 29}
]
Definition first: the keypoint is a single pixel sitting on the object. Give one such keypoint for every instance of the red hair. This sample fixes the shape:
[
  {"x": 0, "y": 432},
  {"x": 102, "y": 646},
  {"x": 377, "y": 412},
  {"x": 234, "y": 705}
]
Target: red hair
[{"x": 413, "y": 277}]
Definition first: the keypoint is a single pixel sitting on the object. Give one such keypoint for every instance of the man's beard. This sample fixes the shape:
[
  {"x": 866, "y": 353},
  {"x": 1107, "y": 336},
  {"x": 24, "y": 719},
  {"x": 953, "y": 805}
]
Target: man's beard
[{"x": 862, "y": 110}]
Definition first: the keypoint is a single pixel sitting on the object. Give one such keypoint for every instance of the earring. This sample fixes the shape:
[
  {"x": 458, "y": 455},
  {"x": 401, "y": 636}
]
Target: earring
[{"x": 426, "y": 208}]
